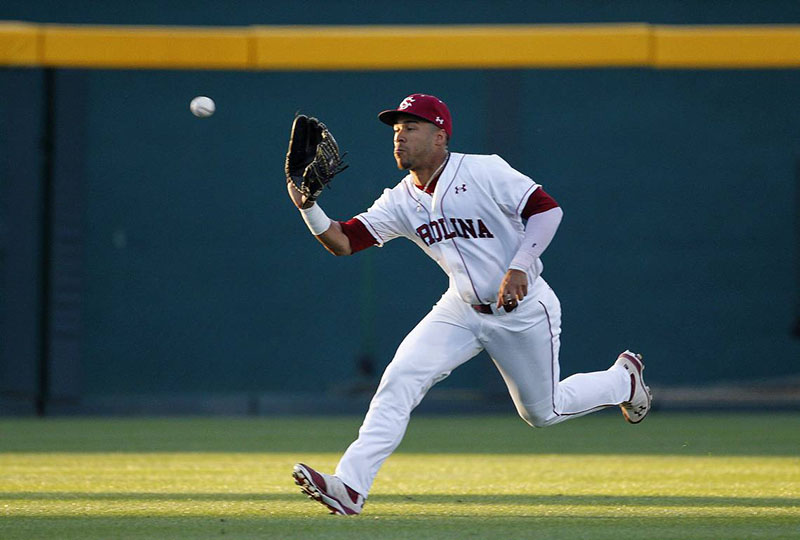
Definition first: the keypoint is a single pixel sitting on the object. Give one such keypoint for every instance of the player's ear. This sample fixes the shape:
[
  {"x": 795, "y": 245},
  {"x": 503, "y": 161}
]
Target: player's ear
[{"x": 441, "y": 137}]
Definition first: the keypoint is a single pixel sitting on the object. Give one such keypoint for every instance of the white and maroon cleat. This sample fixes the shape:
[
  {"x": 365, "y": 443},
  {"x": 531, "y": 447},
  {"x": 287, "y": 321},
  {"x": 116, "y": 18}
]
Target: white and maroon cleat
[
  {"x": 328, "y": 490},
  {"x": 638, "y": 405}
]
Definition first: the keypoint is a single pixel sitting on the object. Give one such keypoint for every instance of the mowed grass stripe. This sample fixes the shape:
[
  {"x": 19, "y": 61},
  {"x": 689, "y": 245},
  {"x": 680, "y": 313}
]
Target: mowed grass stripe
[
  {"x": 601, "y": 433},
  {"x": 194, "y": 484}
]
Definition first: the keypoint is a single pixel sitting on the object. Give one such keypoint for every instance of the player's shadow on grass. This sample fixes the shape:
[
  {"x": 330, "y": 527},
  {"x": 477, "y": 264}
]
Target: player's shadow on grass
[
  {"x": 519, "y": 500},
  {"x": 590, "y": 500}
]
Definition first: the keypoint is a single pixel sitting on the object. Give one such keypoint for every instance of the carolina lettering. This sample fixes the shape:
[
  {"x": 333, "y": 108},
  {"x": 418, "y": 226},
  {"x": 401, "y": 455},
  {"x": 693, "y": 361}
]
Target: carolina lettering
[
  {"x": 483, "y": 232},
  {"x": 424, "y": 232},
  {"x": 440, "y": 230},
  {"x": 437, "y": 232},
  {"x": 447, "y": 234},
  {"x": 467, "y": 228}
]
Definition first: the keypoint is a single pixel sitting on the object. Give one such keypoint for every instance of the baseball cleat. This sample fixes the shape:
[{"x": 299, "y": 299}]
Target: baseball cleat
[
  {"x": 328, "y": 490},
  {"x": 638, "y": 405}
]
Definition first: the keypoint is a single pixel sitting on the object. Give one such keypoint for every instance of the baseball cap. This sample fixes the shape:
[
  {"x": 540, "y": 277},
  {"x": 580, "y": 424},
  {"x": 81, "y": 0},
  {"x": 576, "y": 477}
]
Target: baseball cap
[{"x": 423, "y": 106}]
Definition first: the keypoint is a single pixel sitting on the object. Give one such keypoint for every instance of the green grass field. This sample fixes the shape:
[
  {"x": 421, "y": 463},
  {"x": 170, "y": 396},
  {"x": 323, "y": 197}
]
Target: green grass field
[{"x": 675, "y": 476}]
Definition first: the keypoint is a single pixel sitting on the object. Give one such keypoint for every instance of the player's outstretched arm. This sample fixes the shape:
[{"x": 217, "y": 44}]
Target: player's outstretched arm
[
  {"x": 334, "y": 240},
  {"x": 327, "y": 231}
]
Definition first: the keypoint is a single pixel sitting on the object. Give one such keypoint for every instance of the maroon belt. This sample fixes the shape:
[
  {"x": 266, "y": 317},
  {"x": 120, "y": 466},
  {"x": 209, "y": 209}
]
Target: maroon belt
[{"x": 486, "y": 309}]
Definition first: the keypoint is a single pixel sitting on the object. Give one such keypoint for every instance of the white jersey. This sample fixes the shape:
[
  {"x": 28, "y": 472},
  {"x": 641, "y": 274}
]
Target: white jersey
[{"x": 471, "y": 224}]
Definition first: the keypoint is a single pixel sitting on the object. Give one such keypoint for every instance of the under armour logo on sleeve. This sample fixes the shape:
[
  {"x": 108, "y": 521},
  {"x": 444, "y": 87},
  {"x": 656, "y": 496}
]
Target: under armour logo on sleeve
[{"x": 461, "y": 188}]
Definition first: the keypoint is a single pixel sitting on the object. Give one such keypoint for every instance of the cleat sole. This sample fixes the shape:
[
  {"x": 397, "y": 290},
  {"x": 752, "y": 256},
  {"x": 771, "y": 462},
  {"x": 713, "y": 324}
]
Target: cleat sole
[{"x": 311, "y": 491}]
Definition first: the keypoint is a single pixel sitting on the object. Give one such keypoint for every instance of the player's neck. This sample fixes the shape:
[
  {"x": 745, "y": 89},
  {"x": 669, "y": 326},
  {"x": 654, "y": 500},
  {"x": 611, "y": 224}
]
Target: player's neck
[{"x": 424, "y": 176}]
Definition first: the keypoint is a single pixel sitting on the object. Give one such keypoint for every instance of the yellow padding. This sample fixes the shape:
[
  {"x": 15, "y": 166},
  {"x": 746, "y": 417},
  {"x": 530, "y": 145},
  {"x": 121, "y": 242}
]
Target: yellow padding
[
  {"x": 427, "y": 47},
  {"x": 727, "y": 46},
  {"x": 399, "y": 47},
  {"x": 19, "y": 44},
  {"x": 145, "y": 47}
]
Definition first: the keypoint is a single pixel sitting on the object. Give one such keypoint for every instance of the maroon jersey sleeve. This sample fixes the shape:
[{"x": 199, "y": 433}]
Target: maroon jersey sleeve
[
  {"x": 360, "y": 238},
  {"x": 538, "y": 202}
]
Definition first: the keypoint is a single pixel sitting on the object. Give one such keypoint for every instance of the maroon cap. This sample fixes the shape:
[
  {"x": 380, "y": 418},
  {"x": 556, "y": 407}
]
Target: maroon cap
[{"x": 423, "y": 106}]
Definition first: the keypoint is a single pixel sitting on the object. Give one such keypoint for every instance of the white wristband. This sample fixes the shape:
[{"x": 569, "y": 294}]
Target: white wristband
[{"x": 316, "y": 219}]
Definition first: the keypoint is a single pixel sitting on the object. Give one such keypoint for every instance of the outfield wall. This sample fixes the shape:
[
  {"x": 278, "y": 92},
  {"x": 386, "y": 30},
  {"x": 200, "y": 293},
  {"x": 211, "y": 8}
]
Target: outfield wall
[{"x": 146, "y": 252}]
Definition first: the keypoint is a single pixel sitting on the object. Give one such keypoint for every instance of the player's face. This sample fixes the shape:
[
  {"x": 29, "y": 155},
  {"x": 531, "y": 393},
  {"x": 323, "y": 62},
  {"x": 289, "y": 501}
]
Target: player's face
[{"x": 414, "y": 142}]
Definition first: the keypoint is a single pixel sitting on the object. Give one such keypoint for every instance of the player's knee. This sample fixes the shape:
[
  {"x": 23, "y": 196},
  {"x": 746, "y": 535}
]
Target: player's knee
[
  {"x": 397, "y": 390},
  {"x": 537, "y": 419}
]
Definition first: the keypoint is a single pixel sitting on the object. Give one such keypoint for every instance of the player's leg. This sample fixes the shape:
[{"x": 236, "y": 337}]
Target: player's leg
[
  {"x": 525, "y": 348},
  {"x": 440, "y": 343}
]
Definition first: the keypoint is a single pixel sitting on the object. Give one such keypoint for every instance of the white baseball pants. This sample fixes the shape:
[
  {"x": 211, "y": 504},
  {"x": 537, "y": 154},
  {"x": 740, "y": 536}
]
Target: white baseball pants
[{"x": 523, "y": 344}]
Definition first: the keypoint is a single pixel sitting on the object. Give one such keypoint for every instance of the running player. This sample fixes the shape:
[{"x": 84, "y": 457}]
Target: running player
[{"x": 486, "y": 225}]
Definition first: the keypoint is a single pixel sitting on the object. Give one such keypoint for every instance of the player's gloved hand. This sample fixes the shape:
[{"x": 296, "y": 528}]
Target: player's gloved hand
[
  {"x": 312, "y": 159},
  {"x": 513, "y": 289},
  {"x": 298, "y": 197}
]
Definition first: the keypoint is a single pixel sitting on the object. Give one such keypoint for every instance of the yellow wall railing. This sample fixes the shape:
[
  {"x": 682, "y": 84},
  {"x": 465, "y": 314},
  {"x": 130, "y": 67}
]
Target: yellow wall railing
[{"x": 399, "y": 47}]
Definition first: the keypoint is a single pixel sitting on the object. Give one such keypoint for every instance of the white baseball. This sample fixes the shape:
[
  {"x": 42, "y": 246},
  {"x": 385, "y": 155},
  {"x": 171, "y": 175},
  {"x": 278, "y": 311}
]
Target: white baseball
[{"x": 202, "y": 106}]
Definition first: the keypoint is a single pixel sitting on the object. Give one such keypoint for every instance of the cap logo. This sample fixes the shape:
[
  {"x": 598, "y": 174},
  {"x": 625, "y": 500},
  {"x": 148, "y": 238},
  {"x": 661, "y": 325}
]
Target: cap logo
[
  {"x": 439, "y": 120},
  {"x": 406, "y": 103}
]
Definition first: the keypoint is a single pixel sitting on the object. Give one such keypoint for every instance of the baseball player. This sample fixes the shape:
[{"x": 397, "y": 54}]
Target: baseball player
[{"x": 486, "y": 225}]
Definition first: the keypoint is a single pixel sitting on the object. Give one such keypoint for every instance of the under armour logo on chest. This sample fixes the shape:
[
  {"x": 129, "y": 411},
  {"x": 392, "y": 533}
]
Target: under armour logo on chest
[{"x": 461, "y": 188}]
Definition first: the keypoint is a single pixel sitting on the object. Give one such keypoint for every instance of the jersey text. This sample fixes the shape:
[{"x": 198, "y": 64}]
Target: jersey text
[{"x": 436, "y": 231}]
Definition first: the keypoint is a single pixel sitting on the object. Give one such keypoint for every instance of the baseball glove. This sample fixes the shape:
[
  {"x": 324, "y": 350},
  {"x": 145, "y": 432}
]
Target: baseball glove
[{"x": 313, "y": 157}]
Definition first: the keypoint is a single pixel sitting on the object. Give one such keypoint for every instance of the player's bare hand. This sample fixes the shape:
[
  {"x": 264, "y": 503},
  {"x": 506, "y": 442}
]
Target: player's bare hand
[
  {"x": 299, "y": 200},
  {"x": 512, "y": 290}
]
